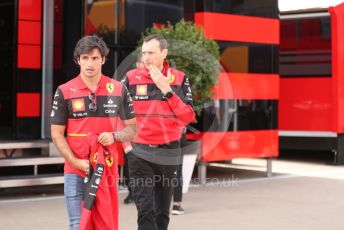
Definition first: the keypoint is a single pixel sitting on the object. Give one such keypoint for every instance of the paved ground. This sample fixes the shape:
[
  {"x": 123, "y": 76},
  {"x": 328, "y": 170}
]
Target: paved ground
[{"x": 299, "y": 196}]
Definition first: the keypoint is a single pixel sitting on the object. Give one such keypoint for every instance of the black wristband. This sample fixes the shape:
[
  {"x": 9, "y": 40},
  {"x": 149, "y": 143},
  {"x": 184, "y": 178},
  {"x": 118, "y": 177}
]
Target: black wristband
[{"x": 168, "y": 94}]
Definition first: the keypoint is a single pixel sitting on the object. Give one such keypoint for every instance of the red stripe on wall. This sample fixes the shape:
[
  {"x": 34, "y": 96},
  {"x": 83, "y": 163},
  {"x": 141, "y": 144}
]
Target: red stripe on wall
[
  {"x": 337, "y": 33},
  {"x": 30, "y": 10},
  {"x": 239, "y": 28},
  {"x": 305, "y": 104},
  {"x": 247, "y": 86},
  {"x": 28, "y": 104},
  {"x": 29, "y": 32},
  {"x": 217, "y": 146},
  {"x": 29, "y": 57}
]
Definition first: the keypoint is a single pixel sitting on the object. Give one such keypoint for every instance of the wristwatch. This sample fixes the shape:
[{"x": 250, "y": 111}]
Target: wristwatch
[{"x": 168, "y": 94}]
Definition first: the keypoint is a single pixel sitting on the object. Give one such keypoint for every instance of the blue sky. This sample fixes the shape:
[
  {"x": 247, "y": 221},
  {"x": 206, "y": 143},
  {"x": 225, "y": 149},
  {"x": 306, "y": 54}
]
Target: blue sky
[{"x": 285, "y": 5}]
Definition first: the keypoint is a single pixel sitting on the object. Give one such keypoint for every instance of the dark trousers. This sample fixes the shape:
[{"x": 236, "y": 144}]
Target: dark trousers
[
  {"x": 152, "y": 188},
  {"x": 178, "y": 189}
]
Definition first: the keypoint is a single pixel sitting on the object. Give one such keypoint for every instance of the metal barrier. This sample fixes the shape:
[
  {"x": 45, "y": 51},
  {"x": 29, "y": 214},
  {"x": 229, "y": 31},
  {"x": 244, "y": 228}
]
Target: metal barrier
[{"x": 9, "y": 148}]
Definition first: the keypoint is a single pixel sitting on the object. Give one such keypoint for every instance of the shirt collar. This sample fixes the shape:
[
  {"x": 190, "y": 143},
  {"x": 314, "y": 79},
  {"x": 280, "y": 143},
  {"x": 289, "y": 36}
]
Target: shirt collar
[
  {"x": 81, "y": 84},
  {"x": 165, "y": 68}
]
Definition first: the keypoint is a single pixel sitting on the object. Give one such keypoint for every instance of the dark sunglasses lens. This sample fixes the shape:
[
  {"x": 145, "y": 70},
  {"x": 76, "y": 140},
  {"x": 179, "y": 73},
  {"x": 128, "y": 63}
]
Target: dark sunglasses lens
[
  {"x": 92, "y": 107},
  {"x": 92, "y": 96}
]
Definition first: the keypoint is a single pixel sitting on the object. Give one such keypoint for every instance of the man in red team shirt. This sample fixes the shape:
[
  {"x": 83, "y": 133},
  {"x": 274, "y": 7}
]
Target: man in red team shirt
[
  {"x": 90, "y": 104},
  {"x": 163, "y": 106}
]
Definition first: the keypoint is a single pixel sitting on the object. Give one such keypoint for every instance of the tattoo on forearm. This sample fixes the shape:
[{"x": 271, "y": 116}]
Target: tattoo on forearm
[{"x": 126, "y": 134}]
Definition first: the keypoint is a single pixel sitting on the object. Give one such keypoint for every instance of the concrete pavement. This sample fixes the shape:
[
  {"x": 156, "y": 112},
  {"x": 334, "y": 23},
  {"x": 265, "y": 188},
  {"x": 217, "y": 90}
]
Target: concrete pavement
[{"x": 299, "y": 196}]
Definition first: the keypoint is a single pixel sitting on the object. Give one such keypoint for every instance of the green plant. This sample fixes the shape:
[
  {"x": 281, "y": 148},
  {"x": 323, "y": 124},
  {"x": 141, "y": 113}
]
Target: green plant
[{"x": 190, "y": 52}]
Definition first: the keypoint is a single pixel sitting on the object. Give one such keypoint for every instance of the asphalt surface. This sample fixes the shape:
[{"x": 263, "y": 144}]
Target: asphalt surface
[{"x": 300, "y": 195}]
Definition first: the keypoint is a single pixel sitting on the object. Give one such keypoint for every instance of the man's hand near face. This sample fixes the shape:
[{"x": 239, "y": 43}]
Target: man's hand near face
[{"x": 159, "y": 79}]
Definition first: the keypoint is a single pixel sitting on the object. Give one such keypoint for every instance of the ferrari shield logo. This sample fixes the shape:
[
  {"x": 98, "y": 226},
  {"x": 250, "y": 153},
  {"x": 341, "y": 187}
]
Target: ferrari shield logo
[
  {"x": 109, "y": 161},
  {"x": 110, "y": 87},
  {"x": 95, "y": 157}
]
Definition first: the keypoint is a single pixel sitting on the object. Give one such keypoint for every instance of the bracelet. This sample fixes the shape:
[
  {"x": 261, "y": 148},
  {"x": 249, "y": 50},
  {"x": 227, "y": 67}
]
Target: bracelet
[{"x": 115, "y": 136}]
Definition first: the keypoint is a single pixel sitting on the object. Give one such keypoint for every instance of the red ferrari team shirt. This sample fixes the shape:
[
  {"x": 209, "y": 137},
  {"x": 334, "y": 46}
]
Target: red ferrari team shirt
[
  {"x": 86, "y": 113},
  {"x": 160, "y": 120}
]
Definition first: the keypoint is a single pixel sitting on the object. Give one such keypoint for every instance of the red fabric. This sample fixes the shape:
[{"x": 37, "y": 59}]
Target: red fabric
[
  {"x": 86, "y": 220},
  {"x": 79, "y": 144},
  {"x": 121, "y": 159},
  {"x": 184, "y": 112},
  {"x": 104, "y": 214},
  {"x": 159, "y": 121}
]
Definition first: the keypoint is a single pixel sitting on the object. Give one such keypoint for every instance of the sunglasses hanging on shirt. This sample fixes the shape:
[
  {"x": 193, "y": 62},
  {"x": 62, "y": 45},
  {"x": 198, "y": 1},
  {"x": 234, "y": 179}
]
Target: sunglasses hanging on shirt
[{"x": 93, "y": 105}]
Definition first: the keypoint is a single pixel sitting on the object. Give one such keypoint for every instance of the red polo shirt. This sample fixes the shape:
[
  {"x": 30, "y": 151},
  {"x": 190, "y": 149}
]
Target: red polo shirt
[
  {"x": 160, "y": 120},
  {"x": 72, "y": 107}
]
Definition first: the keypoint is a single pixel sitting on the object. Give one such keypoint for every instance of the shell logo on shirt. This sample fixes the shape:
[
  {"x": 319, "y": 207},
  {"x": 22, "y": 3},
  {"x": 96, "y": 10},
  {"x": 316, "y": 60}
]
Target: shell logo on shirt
[
  {"x": 110, "y": 87},
  {"x": 141, "y": 90},
  {"x": 78, "y": 105}
]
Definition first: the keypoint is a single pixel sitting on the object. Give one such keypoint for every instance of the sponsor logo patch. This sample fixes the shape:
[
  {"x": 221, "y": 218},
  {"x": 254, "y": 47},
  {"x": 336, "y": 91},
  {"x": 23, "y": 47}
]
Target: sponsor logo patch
[
  {"x": 95, "y": 157},
  {"x": 109, "y": 161},
  {"x": 110, "y": 87},
  {"x": 78, "y": 105},
  {"x": 172, "y": 78},
  {"x": 141, "y": 90}
]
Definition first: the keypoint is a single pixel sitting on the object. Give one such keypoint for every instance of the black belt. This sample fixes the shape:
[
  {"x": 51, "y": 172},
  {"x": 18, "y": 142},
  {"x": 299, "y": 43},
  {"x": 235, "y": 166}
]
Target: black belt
[{"x": 166, "y": 145}]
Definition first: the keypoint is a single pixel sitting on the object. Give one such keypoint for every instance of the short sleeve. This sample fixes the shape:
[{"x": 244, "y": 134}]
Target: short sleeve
[
  {"x": 127, "y": 108},
  {"x": 125, "y": 81},
  {"x": 59, "y": 112},
  {"x": 187, "y": 92}
]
